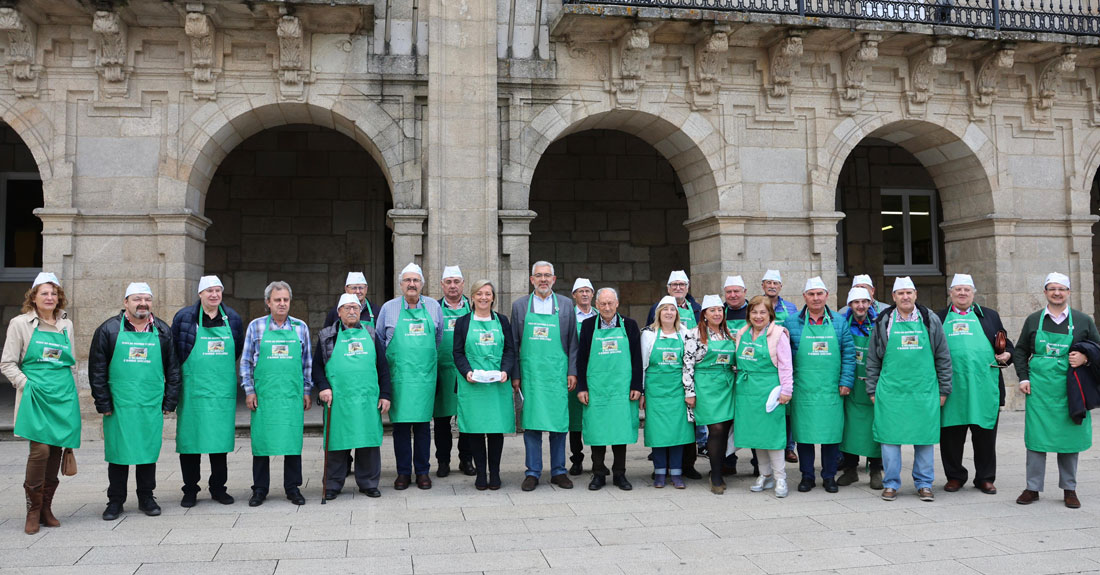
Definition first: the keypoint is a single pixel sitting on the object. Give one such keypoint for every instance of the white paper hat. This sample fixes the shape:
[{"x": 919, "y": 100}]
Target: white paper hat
[
  {"x": 45, "y": 277},
  {"x": 904, "y": 283},
  {"x": 355, "y": 278},
  {"x": 582, "y": 283},
  {"x": 815, "y": 283},
  {"x": 772, "y": 275},
  {"x": 667, "y": 300},
  {"x": 858, "y": 293},
  {"x": 452, "y": 272},
  {"x": 414, "y": 269},
  {"x": 962, "y": 280},
  {"x": 1056, "y": 278},
  {"x": 733, "y": 281},
  {"x": 209, "y": 282},
  {"x": 678, "y": 276},
  {"x": 863, "y": 279},
  {"x": 138, "y": 287},
  {"x": 346, "y": 299},
  {"x": 710, "y": 301}
]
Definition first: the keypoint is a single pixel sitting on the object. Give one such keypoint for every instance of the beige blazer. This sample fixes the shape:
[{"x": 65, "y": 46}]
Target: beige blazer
[{"x": 20, "y": 331}]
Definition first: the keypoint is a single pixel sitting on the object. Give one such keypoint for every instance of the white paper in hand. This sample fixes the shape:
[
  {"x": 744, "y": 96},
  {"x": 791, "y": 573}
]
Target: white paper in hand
[
  {"x": 486, "y": 376},
  {"x": 773, "y": 400}
]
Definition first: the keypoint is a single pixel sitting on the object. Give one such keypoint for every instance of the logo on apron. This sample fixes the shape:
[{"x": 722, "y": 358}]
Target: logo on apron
[
  {"x": 416, "y": 328},
  {"x": 1054, "y": 349},
  {"x": 216, "y": 346},
  {"x": 820, "y": 347},
  {"x": 668, "y": 356},
  {"x": 722, "y": 359},
  {"x": 451, "y": 323},
  {"x": 139, "y": 354},
  {"x": 355, "y": 347},
  {"x": 51, "y": 353},
  {"x": 487, "y": 338},
  {"x": 280, "y": 350},
  {"x": 859, "y": 355},
  {"x": 960, "y": 327},
  {"x": 748, "y": 352},
  {"x": 910, "y": 341},
  {"x": 609, "y": 346},
  {"x": 541, "y": 332}
]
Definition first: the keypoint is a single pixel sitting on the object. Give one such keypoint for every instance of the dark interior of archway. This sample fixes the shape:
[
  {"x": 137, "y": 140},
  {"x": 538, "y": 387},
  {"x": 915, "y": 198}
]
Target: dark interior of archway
[
  {"x": 302, "y": 204},
  {"x": 610, "y": 208},
  {"x": 870, "y": 234}
]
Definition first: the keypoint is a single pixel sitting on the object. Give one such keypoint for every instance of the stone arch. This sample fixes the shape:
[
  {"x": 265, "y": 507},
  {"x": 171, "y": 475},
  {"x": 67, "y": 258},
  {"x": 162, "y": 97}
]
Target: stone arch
[{"x": 36, "y": 131}]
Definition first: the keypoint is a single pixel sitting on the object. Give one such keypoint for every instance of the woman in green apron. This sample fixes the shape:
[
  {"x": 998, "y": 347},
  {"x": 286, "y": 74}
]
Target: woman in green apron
[
  {"x": 38, "y": 359},
  {"x": 668, "y": 423},
  {"x": 763, "y": 364},
  {"x": 708, "y": 374},
  {"x": 485, "y": 353}
]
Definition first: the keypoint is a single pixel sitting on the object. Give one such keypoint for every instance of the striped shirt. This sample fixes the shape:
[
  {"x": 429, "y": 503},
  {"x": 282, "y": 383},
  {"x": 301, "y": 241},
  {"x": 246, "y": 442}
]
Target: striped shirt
[{"x": 251, "y": 351}]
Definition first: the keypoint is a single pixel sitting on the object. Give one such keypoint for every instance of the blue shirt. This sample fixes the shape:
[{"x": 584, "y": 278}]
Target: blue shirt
[
  {"x": 861, "y": 329},
  {"x": 391, "y": 311},
  {"x": 251, "y": 351}
]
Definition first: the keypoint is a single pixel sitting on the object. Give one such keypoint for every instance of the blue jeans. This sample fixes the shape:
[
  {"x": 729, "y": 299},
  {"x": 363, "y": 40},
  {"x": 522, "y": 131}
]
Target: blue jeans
[
  {"x": 532, "y": 444},
  {"x": 668, "y": 460},
  {"x": 412, "y": 452},
  {"x": 829, "y": 454},
  {"x": 790, "y": 433},
  {"x": 924, "y": 466}
]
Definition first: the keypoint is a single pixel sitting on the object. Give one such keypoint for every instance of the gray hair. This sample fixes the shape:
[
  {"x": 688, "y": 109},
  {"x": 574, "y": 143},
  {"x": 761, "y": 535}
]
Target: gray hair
[
  {"x": 610, "y": 289},
  {"x": 271, "y": 287},
  {"x": 540, "y": 264}
]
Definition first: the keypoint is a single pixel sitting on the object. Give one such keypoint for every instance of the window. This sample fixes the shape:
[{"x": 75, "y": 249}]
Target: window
[
  {"x": 20, "y": 229},
  {"x": 910, "y": 234}
]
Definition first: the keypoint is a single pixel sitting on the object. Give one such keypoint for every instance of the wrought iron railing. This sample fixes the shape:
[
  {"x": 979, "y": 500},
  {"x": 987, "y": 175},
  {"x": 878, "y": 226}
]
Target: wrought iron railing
[{"x": 1060, "y": 16}]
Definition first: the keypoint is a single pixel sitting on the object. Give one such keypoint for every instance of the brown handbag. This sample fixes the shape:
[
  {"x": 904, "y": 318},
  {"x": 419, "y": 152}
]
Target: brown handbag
[
  {"x": 68, "y": 463},
  {"x": 1000, "y": 342}
]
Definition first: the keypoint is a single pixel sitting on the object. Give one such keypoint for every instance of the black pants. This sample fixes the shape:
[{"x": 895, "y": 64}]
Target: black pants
[
  {"x": 443, "y": 442},
  {"x": 368, "y": 470},
  {"x": 190, "y": 467},
  {"x": 486, "y": 448},
  {"x": 576, "y": 447},
  {"x": 261, "y": 473},
  {"x": 984, "y": 441},
  {"x": 119, "y": 475},
  {"x": 618, "y": 463},
  {"x": 851, "y": 461},
  {"x": 691, "y": 453}
]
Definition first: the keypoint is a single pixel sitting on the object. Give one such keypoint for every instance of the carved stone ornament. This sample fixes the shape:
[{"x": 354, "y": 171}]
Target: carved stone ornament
[
  {"x": 989, "y": 73},
  {"x": 783, "y": 58},
  {"x": 633, "y": 58},
  {"x": 708, "y": 60},
  {"x": 112, "y": 55},
  {"x": 856, "y": 63},
  {"x": 290, "y": 50},
  {"x": 201, "y": 32},
  {"x": 21, "y": 51},
  {"x": 922, "y": 70},
  {"x": 1051, "y": 73}
]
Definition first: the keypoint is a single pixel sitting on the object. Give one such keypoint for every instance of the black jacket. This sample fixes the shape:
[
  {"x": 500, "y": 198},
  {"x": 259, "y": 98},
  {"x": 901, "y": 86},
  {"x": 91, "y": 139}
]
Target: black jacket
[
  {"x": 334, "y": 314},
  {"x": 507, "y": 360},
  {"x": 1083, "y": 383},
  {"x": 633, "y": 336},
  {"x": 326, "y": 341},
  {"x": 991, "y": 324},
  {"x": 99, "y": 362},
  {"x": 185, "y": 324}
]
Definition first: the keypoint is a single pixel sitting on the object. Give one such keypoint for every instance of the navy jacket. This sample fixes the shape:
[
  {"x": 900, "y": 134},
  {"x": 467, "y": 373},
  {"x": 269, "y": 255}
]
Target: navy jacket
[
  {"x": 185, "y": 323},
  {"x": 1083, "y": 383}
]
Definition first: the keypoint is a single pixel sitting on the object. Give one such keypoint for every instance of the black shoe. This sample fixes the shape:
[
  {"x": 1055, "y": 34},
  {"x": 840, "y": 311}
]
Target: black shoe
[
  {"x": 150, "y": 507},
  {"x": 223, "y": 498},
  {"x": 189, "y": 500},
  {"x": 806, "y": 484},
  {"x": 257, "y": 499},
  {"x": 467, "y": 468},
  {"x": 597, "y": 483},
  {"x": 576, "y": 469},
  {"x": 620, "y": 481},
  {"x": 703, "y": 451},
  {"x": 692, "y": 474},
  {"x": 756, "y": 471},
  {"x": 830, "y": 484},
  {"x": 443, "y": 469},
  {"x": 114, "y": 508},
  {"x": 296, "y": 497},
  {"x": 330, "y": 494},
  {"x": 371, "y": 492}
]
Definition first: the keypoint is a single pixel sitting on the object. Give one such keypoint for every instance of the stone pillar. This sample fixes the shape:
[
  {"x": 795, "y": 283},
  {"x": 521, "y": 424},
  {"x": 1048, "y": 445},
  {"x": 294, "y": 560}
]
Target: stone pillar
[
  {"x": 462, "y": 139},
  {"x": 515, "y": 260},
  {"x": 717, "y": 244},
  {"x": 408, "y": 242}
]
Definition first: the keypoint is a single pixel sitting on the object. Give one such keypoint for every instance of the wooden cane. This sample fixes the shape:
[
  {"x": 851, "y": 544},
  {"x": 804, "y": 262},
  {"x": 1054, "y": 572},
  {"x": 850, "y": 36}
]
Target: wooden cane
[{"x": 325, "y": 416}]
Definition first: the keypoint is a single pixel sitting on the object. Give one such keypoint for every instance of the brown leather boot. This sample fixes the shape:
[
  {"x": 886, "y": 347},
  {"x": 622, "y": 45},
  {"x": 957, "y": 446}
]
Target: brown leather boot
[
  {"x": 46, "y": 516},
  {"x": 34, "y": 508}
]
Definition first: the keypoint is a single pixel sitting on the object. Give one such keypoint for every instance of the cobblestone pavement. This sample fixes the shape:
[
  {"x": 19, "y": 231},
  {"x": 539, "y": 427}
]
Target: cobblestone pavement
[{"x": 454, "y": 528}]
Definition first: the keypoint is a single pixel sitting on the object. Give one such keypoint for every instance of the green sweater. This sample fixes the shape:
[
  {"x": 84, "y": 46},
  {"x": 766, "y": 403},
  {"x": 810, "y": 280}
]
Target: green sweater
[{"x": 1083, "y": 328}]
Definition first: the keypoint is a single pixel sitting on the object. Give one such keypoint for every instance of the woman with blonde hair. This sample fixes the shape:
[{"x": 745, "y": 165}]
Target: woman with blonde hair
[
  {"x": 708, "y": 374},
  {"x": 38, "y": 359},
  {"x": 667, "y": 404}
]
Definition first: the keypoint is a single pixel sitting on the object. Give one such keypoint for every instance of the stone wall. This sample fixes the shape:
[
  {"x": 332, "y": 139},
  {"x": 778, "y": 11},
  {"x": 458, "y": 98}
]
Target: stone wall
[{"x": 610, "y": 208}]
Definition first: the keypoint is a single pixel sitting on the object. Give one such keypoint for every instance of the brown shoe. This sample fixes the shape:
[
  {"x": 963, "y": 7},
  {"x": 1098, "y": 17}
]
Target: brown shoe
[
  {"x": 530, "y": 483},
  {"x": 34, "y": 508},
  {"x": 401, "y": 483},
  {"x": 424, "y": 481},
  {"x": 1027, "y": 497},
  {"x": 792, "y": 457},
  {"x": 562, "y": 481},
  {"x": 953, "y": 485},
  {"x": 1071, "y": 499},
  {"x": 889, "y": 494},
  {"x": 987, "y": 487},
  {"x": 46, "y": 516},
  {"x": 925, "y": 494}
]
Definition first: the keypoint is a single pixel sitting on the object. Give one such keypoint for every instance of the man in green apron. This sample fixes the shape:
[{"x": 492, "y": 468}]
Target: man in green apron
[
  {"x": 583, "y": 295},
  {"x": 276, "y": 374},
  {"x": 859, "y": 412},
  {"x": 737, "y": 307},
  {"x": 609, "y": 361},
  {"x": 455, "y": 305},
  {"x": 824, "y": 372},
  {"x": 864, "y": 281},
  {"x": 411, "y": 329},
  {"x": 353, "y": 379},
  {"x": 908, "y": 380},
  {"x": 1043, "y": 359},
  {"x": 772, "y": 284},
  {"x": 544, "y": 329},
  {"x": 978, "y": 390},
  {"x": 209, "y": 338},
  {"x": 135, "y": 380}
]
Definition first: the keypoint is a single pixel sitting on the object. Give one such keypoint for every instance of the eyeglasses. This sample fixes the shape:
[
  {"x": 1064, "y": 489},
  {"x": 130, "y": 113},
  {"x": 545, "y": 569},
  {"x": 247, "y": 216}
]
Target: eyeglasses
[
  {"x": 1057, "y": 290},
  {"x": 543, "y": 276},
  {"x": 679, "y": 285},
  {"x": 411, "y": 281}
]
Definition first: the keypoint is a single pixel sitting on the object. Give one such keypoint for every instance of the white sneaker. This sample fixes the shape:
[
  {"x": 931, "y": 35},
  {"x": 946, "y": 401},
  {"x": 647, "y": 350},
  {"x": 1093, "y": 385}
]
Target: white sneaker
[
  {"x": 763, "y": 482},
  {"x": 781, "y": 488}
]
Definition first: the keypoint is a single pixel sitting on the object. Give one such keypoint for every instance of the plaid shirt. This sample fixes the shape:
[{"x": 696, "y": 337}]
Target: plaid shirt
[{"x": 251, "y": 352}]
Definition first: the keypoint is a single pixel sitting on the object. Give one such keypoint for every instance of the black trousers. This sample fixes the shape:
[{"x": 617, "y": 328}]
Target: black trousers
[
  {"x": 691, "y": 452},
  {"x": 984, "y": 441},
  {"x": 487, "y": 448},
  {"x": 261, "y": 473},
  {"x": 443, "y": 442},
  {"x": 576, "y": 447},
  {"x": 119, "y": 475},
  {"x": 190, "y": 467},
  {"x": 368, "y": 470},
  {"x": 618, "y": 463},
  {"x": 851, "y": 461}
]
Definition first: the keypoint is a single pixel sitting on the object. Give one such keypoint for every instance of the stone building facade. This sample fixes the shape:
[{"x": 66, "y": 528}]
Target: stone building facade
[{"x": 295, "y": 140}]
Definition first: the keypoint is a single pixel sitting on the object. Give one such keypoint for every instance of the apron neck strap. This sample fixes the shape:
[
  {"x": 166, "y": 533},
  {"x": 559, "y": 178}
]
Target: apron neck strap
[
  {"x": 122, "y": 323},
  {"x": 531, "y": 302}
]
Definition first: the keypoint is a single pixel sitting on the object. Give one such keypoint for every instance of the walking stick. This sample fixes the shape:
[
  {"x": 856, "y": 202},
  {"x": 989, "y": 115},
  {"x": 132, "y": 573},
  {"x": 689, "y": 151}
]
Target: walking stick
[{"x": 325, "y": 415}]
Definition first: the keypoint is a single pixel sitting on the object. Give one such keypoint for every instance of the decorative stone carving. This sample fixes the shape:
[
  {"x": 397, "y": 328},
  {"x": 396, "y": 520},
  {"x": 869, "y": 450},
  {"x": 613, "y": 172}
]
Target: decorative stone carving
[
  {"x": 203, "y": 75},
  {"x": 922, "y": 70},
  {"x": 291, "y": 48},
  {"x": 113, "y": 52},
  {"x": 633, "y": 58},
  {"x": 989, "y": 73},
  {"x": 857, "y": 61},
  {"x": 22, "y": 35},
  {"x": 783, "y": 58},
  {"x": 708, "y": 59},
  {"x": 1050, "y": 74}
]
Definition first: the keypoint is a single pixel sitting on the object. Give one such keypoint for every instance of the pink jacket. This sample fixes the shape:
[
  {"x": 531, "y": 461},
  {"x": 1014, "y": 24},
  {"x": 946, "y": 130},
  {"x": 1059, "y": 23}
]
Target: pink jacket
[{"x": 779, "y": 349}]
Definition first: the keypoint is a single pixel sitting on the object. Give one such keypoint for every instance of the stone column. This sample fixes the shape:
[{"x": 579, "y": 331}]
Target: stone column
[
  {"x": 717, "y": 244},
  {"x": 408, "y": 242},
  {"x": 515, "y": 256}
]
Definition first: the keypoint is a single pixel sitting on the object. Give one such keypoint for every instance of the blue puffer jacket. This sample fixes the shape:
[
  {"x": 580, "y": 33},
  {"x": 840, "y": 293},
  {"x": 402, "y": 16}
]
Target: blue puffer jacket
[
  {"x": 183, "y": 330},
  {"x": 843, "y": 335}
]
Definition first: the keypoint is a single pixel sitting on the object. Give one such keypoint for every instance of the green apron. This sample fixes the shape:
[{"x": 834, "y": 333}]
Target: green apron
[
  {"x": 1047, "y": 426},
  {"x": 859, "y": 412},
  {"x": 753, "y": 426},
  {"x": 714, "y": 383},
  {"x": 485, "y": 407},
  {"x": 687, "y": 317},
  {"x": 446, "y": 402},
  {"x": 50, "y": 409},
  {"x": 817, "y": 409},
  {"x": 279, "y": 417},
  {"x": 907, "y": 398},
  {"x": 367, "y": 322},
  {"x": 352, "y": 371},
  {"x": 666, "y": 422},
  {"x": 132, "y": 433},
  {"x": 781, "y": 312},
  {"x": 576, "y": 409},
  {"x": 735, "y": 324},
  {"x": 544, "y": 368},
  {"x": 206, "y": 419},
  {"x": 610, "y": 418},
  {"x": 975, "y": 380},
  {"x": 412, "y": 356}
]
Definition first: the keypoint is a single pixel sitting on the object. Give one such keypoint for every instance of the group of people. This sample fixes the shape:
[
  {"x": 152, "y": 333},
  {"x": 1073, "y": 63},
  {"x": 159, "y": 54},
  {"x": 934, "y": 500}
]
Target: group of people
[{"x": 755, "y": 373}]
